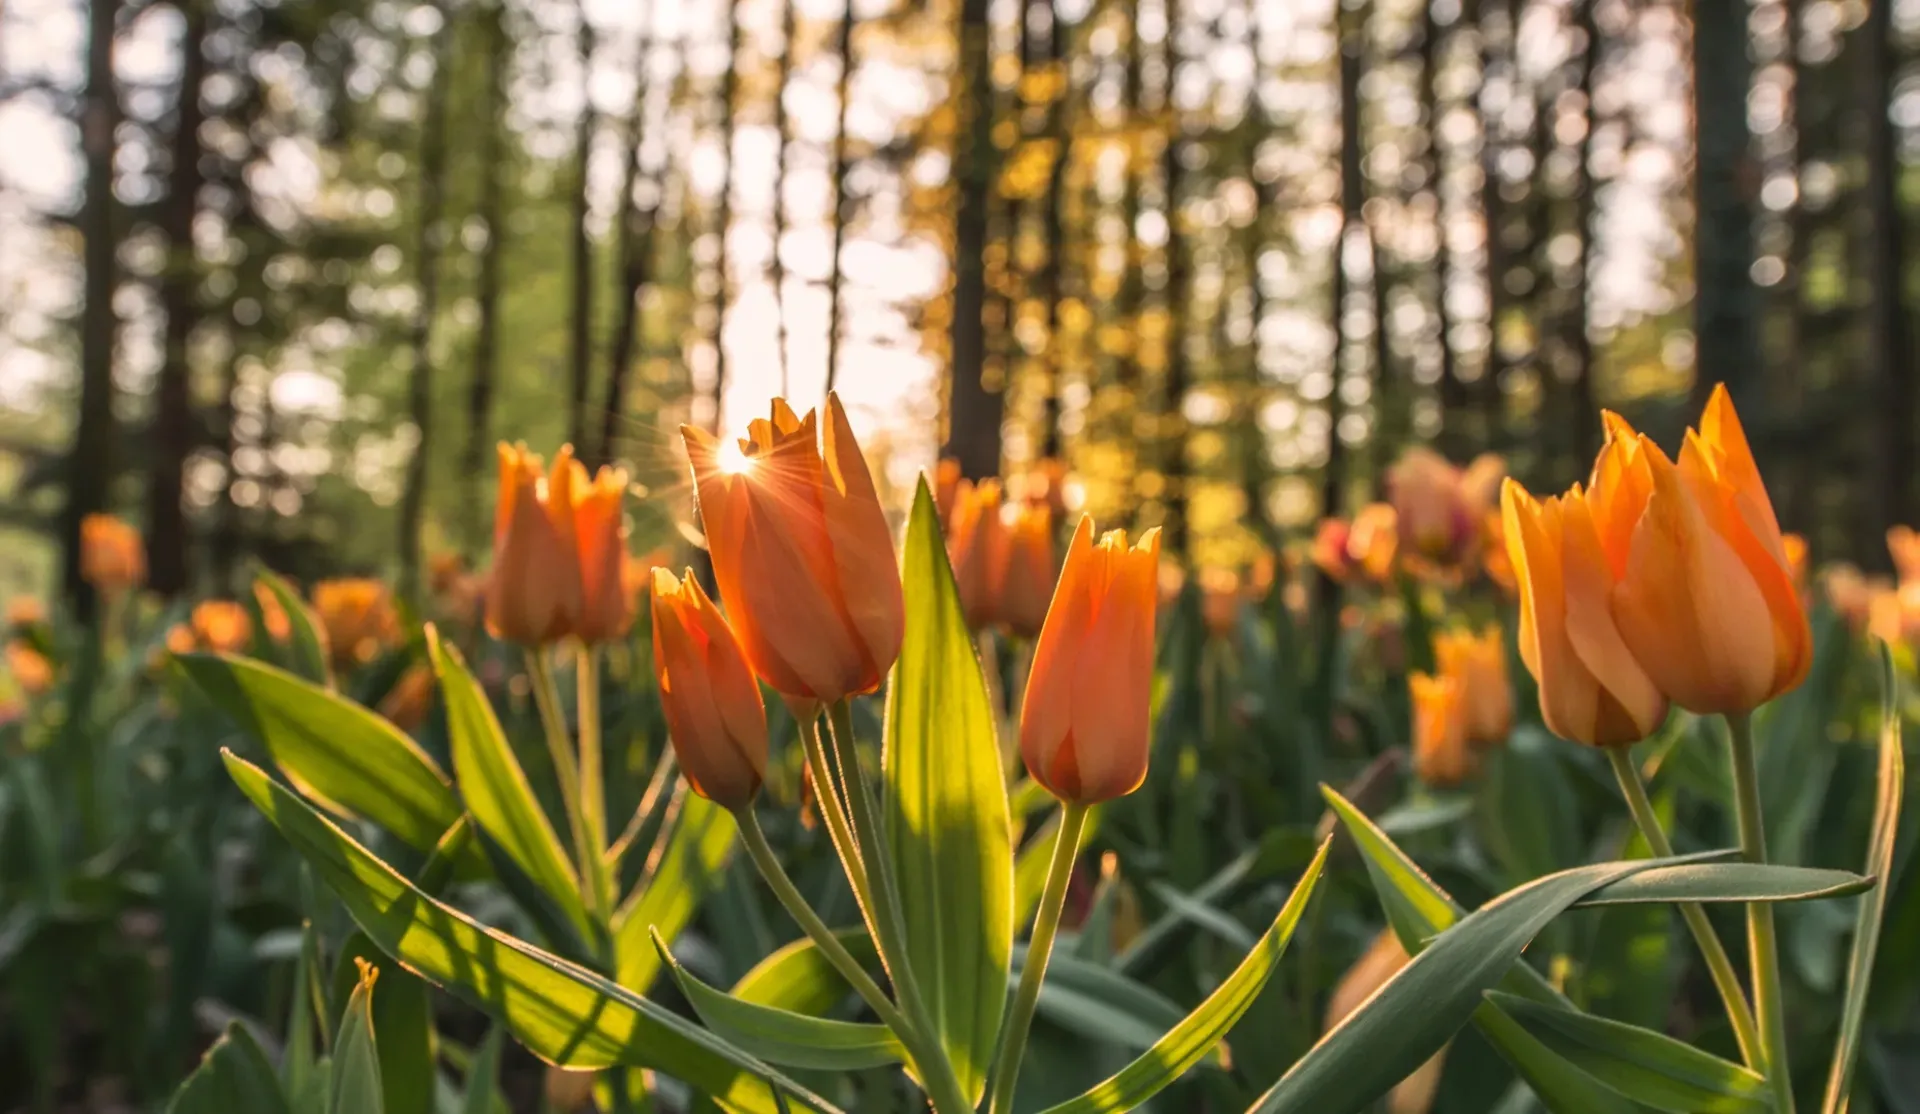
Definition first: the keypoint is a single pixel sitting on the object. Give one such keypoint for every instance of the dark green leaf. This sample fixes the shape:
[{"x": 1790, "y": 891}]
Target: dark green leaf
[{"x": 233, "y": 1076}]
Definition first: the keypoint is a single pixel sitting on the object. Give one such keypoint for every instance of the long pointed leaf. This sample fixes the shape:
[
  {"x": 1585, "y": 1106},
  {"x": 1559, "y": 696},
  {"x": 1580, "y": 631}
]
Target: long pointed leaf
[
  {"x": 691, "y": 862},
  {"x": 234, "y": 1075},
  {"x": 356, "y": 1062},
  {"x": 1728, "y": 881},
  {"x": 562, "y": 1012},
  {"x": 948, "y": 826}
]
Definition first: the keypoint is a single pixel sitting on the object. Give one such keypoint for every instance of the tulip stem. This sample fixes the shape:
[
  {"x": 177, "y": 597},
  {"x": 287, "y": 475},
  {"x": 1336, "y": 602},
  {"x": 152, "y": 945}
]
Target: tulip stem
[
  {"x": 546, "y": 697},
  {"x": 1763, "y": 948},
  {"x": 826, "y": 800},
  {"x": 1725, "y": 978},
  {"x": 885, "y": 913},
  {"x": 593, "y": 798},
  {"x": 1046, "y": 925}
]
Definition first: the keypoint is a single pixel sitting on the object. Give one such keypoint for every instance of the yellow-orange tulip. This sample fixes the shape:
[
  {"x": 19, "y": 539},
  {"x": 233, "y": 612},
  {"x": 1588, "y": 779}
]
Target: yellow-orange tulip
[
  {"x": 1380, "y": 962},
  {"x": 977, "y": 542},
  {"x": 32, "y": 672},
  {"x": 221, "y": 626},
  {"x": 1083, "y": 724},
  {"x": 1893, "y": 613},
  {"x": 1704, "y": 599},
  {"x": 1028, "y": 586},
  {"x": 1329, "y": 552},
  {"x": 1592, "y": 689},
  {"x": 357, "y": 615},
  {"x": 1493, "y": 559},
  {"x": 1903, "y": 544},
  {"x": 606, "y": 607},
  {"x": 802, "y": 553},
  {"x": 1374, "y": 540},
  {"x": 558, "y": 552},
  {"x": 715, "y": 717},
  {"x": 1479, "y": 664},
  {"x": 410, "y": 699},
  {"x": 112, "y": 556},
  {"x": 1441, "y": 755},
  {"x": 25, "y": 611}
]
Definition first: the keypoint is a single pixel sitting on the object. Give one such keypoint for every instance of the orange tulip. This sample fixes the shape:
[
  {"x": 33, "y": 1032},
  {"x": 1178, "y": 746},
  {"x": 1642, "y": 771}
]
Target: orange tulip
[
  {"x": 221, "y": 626},
  {"x": 357, "y": 615},
  {"x": 1704, "y": 598},
  {"x": 606, "y": 607},
  {"x": 1904, "y": 546},
  {"x": 1374, "y": 540},
  {"x": 715, "y": 717},
  {"x": 410, "y": 699},
  {"x": 1441, "y": 756},
  {"x": 273, "y": 617},
  {"x": 1381, "y": 962},
  {"x": 32, "y": 672},
  {"x": 1041, "y": 484},
  {"x": 946, "y": 486},
  {"x": 1329, "y": 551},
  {"x": 1893, "y": 614},
  {"x": 977, "y": 543},
  {"x": 1441, "y": 508},
  {"x": 1493, "y": 559},
  {"x": 112, "y": 556},
  {"x": 1030, "y": 573},
  {"x": 25, "y": 611},
  {"x": 1083, "y": 724},
  {"x": 1592, "y": 690},
  {"x": 1852, "y": 594},
  {"x": 1479, "y": 664},
  {"x": 557, "y": 551},
  {"x": 802, "y": 553}
]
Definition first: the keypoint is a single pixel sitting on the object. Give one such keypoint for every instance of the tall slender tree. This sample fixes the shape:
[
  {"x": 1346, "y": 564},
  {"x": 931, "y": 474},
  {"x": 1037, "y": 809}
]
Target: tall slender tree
[
  {"x": 1726, "y": 302},
  {"x": 1052, "y": 279},
  {"x": 1890, "y": 343},
  {"x": 975, "y": 407},
  {"x": 1452, "y": 392},
  {"x": 723, "y": 210},
  {"x": 426, "y": 257},
  {"x": 1586, "y": 407},
  {"x": 842, "y": 205},
  {"x": 1352, "y": 199},
  {"x": 486, "y": 337},
  {"x": 1493, "y": 220},
  {"x": 776, "y": 265},
  {"x": 1174, "y": 464},
  {"x": 580, "y": 324},
  {"x": 635, "y": 248}
]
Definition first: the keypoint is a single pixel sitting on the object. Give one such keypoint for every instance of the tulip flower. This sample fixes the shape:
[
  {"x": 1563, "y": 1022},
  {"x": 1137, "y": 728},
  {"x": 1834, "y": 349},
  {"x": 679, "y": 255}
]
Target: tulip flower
[
  {"x": 357, "y": 616},
  {"x": 1374, "y": 540},
  {"x": 606, "y": 607},
  {"x": 534, "y": 595},
  {"x": 714, "y": 714},
  {"x": 802, "y": 554},
  {"x": 273, "y": 617},
  {"x": 1479, "y": 664},
  {"x": 1704, "y": 599},
  {"x": 32, "y": 672},
  {"x": 1083, "y": 724},
  {"x": 1221, "y": 596},
  {"x": 25, "y": 611},
  {"x": 977, "y": 543},
  {"x": 1852, "y": 594},
  {"x": 112, "y": 556},
  {"x": 1592, "y": 689},
  {"x": 410, "y": 699},
  {"x": 1441, "y": 508},
  {"x": 1380, "y": 962},
  {"x": 1329, "y": 551},
  {"x": 1903, "y": 544},
  {"x": 1441, "y": 755},
  {"x": 946, "y": 485},
  {"x": 1030, "y": 573},
  {"x": 221, "y": 626}
]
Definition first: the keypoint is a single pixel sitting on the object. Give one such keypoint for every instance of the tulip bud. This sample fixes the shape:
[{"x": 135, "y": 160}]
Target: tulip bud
[
  {"x": 1083, "y": 724},
  {"x": 1330, "y": 548},
  {"x": 25, "y": 611},
  {"x": 1374, "y": 540},
  {"x": 1479, "y": 665},
  {"x": 606, "y": 607},
  {"x": 1220, "y": 600},
  {"x": 1592, "y": 690},
  {"x": 1441, "y": 756},
  {"x": 1704, "y": 600},
  {"x": 221, "y": 626},
  {"x": 1028, "y": 586},
  {"x": 1903, "y": 544},
  {"x": 977, "y": 543},
  {"x": 112, "y": 556},
  {"x": 802, "y": 554},
  {"x": 357, "y": 616},
  {"x": 410, "y": 699},
  {"x": 534, "y": 594},
  {"x": 715, "y": 717},
  {"x": 32, "y": 672}
]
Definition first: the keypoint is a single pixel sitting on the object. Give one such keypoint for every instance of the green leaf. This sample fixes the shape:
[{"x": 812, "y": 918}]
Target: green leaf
[
  {"x": 1200, "y": 1031},
  {"x": 1098, "y": 1002},
  {"x": 356, "y": 1062},
  {"x": 1562, "y": 1086},
  {"x": 234, "y": 1075},
  {"x": 1873, "y": 907},
  {"x": 1278, "y": 850},
  {"x": 1204, "y": 915},
  {"x": 402, "y": 1022},
  {"x": 306, "y": 644},
  {"x": 337, "y": 753},
  {"x": 782, "y": 1036},
  {"x": 1647, "y": 1067},
  {"x": 1529, "y": 816},
  {"x": 947, "y": 822},
  {"x": 483, "y": 1075},
  {"x": 496, "y": 788},
  {"x": 1729, "y": 881},
  {"x": 562, "y": 1012},
  {"x": 698, "y": 843},
  {"x": 800, "y": 978}
]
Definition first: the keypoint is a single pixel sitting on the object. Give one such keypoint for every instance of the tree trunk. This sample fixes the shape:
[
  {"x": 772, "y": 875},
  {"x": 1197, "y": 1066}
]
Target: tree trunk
[
  {"x": 1726, "y": 302},
  {"x": 777, "y": 266},
  {"x": 228, "y": 534},
  {"x": 842, "y": 208},
  {"x": 1493, "y": 216},
  {"x": 474, "y": 470},
  {"x": 636, "y": 264},
  {"x": 1352, "y": 198},
  {"x": 975, "y": 408},
  {"x": 1174, "y": 463},
  {"x": 1889, "y": 345},
  {"x": 426, "y": 254},
  {"x": 1452, "y": 392},
  {"x": 723, "y": 219},
  {"x": 1586, "y": 407},
  {"x": 91, "y": 462},
  {"x": 1053, "y": 228},
  {"x": 174, "y": 437},
  {"x": 580, "y": 325}
]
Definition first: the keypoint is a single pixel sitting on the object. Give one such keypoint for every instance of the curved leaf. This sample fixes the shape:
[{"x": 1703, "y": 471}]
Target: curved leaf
[
  {"x": 692, "y": 862},
  {"x": 402, "y": 1025},
  {"x": 341, "y": 755},
  {"x": 1729, "y": 881},
  {"x": 1564, "y": 1087},
  {"x": 1197, "y": 1033},
  {"x": 234, "y": 1075},
  {"x": 356, "y": 1062},
  {"x": 947, "y": 822},
  {"x": 799, "y": 977},
  {"x": 1647, "y": 1067},
  {"x": 563, "y": 1013},
  {"x": 306, "y": 643},
  {"x": 782, "y": 1036}
]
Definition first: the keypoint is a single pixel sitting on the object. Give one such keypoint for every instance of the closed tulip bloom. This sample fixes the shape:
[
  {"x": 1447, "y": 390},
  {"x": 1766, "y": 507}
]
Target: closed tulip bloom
[
  {"x": 357, "y": 616},
  {"x": 410, "y": 699},
  {"x": 1379, "y": 963},
  {"x": 1083, "y": 724},
  {"x": 221, "y": 625},
  {"x": 1329, "y": 552},
  {"x": 599, "y": 532},
  {"x": 1592, "y": 689},
  {"x": 1479, "y": 664},
  {"x": 715, "y": 717},
  {"x": 1851, "y": 593},
  {"x": 1374, "y": 540},
  {"x": 1704, "y": 599},
  {"x": 802, "y": 554},
  {"x": 32, "y": 672},
  {"x": 534, "y": 594},
  {"x": 1028, "y": 586},
  {"x": 977, "y": 543},
  {"x": 25, "y": 611},
  {"x": 1441, "y": 755},
  {"x": 112, "y": 556}
]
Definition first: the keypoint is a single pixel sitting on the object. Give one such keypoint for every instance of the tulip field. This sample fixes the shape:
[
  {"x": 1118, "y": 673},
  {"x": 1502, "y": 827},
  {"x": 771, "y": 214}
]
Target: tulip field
[{"x": 1485, "y": 800}]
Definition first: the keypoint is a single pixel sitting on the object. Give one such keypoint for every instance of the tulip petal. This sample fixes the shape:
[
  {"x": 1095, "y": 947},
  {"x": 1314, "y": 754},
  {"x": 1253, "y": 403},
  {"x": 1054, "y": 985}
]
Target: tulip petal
[
  {"x": 862, "y": 545},
  {"x": 1591, "y": 628},
  {"x": 1112, "y": 680},
  {"x": 1046, "y": 712},
  {"x": 1720, "y": 427}
]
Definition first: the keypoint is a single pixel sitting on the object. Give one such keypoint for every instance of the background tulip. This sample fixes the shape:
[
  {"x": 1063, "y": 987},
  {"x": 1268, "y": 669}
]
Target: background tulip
[
  {"x": 534, "y": 591},
  {"x": 606, "y": 606},
  {"x": 1441, "y": 756},
  {"x": 802, "y": 553},
  {"x": 1381, "y": 961},
  {"x": 357, "y": 616},
  {"x": 711, "y": 700},
  {"x": 1479, "y": 664},
  {"x": 1083, "y": 724},
  {"x": 978, "y": 544},
  {"x": 112, "y": 556},
  {"x": 1028, "y": 585}
]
